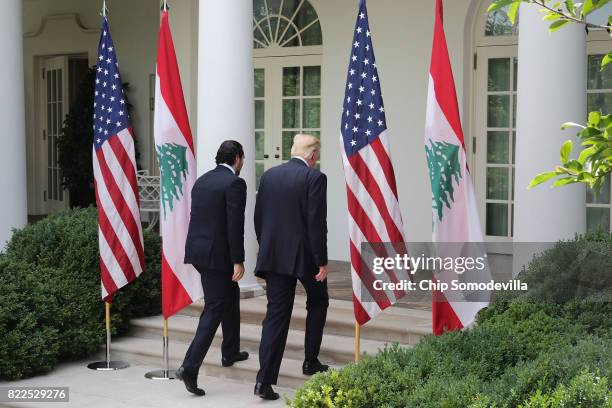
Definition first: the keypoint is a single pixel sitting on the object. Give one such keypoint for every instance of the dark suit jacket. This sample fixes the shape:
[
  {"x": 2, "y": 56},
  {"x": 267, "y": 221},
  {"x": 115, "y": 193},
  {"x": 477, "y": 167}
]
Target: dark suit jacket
[
  {"x": 291, "y": 220},
  {"x": 216, "y": 229}
]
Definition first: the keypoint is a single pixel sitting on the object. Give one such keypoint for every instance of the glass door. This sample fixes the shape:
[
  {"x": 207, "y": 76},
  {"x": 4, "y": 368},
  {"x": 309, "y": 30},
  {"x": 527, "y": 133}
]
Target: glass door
[
  {"x": 287, "y": 102},
  {"x": 55, "y": 106},
  {"x": 495, "y": 139}
]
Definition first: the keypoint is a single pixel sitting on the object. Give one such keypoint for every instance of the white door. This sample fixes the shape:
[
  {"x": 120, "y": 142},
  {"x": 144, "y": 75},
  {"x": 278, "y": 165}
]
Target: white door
[
  {"x": 54, "y": 108},
  {"x": 287, "y": 102},
  {"x": 495, "y": 128}
]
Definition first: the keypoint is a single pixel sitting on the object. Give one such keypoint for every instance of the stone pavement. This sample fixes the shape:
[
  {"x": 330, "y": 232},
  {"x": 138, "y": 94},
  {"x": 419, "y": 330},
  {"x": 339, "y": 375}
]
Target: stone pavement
[{"x": 128, "y": 388}]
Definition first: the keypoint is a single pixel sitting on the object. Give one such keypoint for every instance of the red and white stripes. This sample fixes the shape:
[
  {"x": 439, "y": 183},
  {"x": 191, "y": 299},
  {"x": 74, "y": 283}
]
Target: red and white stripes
[
  {"x": 119, "y": 231},
  {"x": 374, "y": 217}
]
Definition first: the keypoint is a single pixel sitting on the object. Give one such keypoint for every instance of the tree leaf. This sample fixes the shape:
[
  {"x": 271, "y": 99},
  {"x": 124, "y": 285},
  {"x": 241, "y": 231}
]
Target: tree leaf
[
  {"x": 594, "y": 118},
  {"x": 569, "y": 5},
  {"x": 587, "y": 7},
  {"x": 557, "y": 25},
  {"x": 566, "y": 149},
  {"x": 564, "y": 181},
  {"x": 571, "y": 124},
  {"x": 585, "y": 154},
  {"x": 606, "y": 60},
  {"x": 513, "y": 11},
  {"x": 541, "y": 178}
]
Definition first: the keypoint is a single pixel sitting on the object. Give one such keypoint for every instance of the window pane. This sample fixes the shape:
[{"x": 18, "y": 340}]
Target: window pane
[
  {"x": 498, "y": 24},
  {"x": 600, "y": 101},
  {"x": 54, "y": 85},
  {"x": 259, "y": 170},
  {"x": 497, "y": 219},
  {"x": 515, "y": 62},
  {"x": 312, "y": 113},
  {"x": 498, "y": 110},
  {"x": 274, "y": 6},
  {"x": 259, "y": 145},
  {"x": 513, "y": 147},
  {"x": 499, "y": 74},
  {"x": 259, "y": 114},
  {"x": 312, "y": 81},
  {"x": 497, "y": 183},
  {"x": 59, "y": 85},
  {"x": 604, "y": 194},
  {"x": 305, "y": 16},
  {"x": 514, "y": 98},
  {"x": 260, "y": 83},
  {"x": 312, "y": 35},
  {"x": 498, "y": 149},
  {"x": 598, "y": 79},
  {"x": 290, "y": 39},
  {"x": 289, "y": 7},
  {"x": 291, "y": 81},
  {"x": 259, "y": 9},
  {"x": 259, "y": 36},
  {"x": 598, "y": 219},
  {"x": 287, "y": 143},
  {"x": 291, "y": 113}
]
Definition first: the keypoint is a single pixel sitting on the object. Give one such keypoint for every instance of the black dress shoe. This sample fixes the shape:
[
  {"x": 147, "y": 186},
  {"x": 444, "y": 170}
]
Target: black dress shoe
[
  {"x": 313, "y": 367},
  {"x": 266, "y": 392},
  {"x": 190, "y": 381},
  {"x": 229, "y": 361}
]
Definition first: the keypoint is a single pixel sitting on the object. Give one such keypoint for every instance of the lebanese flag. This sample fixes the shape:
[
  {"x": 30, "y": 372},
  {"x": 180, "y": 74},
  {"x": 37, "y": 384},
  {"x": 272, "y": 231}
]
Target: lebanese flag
[
  {"x": 181, "y": 283},
  {"x": 455, "y": 215}
]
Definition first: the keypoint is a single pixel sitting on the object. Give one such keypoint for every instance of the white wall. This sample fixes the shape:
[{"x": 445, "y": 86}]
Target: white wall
[{"x": 134, "y": 26}]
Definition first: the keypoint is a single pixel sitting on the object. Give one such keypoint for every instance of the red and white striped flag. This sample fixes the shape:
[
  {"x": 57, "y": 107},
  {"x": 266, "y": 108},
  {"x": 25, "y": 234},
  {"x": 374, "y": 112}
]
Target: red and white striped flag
[
  {"x": 114, "y": 167},
  {"x": 181, "y": 284},
  {"x": 455, "y": 216},
  {"x": 374, "y": 213}
]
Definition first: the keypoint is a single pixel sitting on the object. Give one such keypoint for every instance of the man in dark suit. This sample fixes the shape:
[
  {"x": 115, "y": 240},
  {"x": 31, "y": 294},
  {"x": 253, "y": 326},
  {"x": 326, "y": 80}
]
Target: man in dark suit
[
  {"x": 291, "y": 228},
  {"x": 215, "y": 247}
]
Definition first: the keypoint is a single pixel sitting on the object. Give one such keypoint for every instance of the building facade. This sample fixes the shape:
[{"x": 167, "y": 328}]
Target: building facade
[{"x": 259, "y": 71}]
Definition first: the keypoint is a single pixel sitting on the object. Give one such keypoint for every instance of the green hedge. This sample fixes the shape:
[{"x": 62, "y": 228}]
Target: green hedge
[
  {"x": 548, "y": 347},
  {"x": 50, "y": 301}
]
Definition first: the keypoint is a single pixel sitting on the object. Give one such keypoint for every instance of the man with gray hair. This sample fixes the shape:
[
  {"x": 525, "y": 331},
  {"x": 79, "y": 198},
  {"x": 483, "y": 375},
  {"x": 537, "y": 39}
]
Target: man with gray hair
[{"x": 291, "y": 228}]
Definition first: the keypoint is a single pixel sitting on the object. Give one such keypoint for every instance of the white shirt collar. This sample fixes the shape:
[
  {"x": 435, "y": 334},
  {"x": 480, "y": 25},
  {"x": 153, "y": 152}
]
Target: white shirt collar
[
  {"x": 301, "y": 158},
  {"x": 228, "y": 166}
]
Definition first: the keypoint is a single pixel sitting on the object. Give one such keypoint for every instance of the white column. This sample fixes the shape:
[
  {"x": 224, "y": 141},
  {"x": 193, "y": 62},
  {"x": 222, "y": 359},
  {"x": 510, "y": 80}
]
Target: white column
[
  {"x": 551, "y": 91},
  {"x": 12, "y": 116},
  {"x": 225, "y": 99}
]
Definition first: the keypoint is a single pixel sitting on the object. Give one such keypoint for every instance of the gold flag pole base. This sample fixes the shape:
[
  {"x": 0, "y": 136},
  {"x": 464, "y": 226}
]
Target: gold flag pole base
[
  {"x": 108, "y": 364},
  {"x": 165, "y": 373},
  {"x": 357, "y": 342}
]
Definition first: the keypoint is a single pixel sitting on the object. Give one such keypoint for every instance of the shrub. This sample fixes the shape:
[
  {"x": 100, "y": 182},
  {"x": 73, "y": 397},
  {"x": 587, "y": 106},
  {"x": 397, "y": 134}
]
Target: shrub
[
  {"x": 50, "y": 287},
  {"x": 534, "y": 348}
]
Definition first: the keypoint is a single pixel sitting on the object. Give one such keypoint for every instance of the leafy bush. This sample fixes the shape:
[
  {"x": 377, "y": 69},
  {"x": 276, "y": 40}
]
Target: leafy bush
[
  {"x": 533, "y": 348},
  {"x": 50, "y": 301}
]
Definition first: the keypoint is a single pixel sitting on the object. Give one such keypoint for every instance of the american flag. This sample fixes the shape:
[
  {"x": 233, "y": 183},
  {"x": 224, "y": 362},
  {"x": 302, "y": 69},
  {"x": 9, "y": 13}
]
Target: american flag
[
  {"x": 374, "y": 213},
  {"x": 114, "y": 165}
]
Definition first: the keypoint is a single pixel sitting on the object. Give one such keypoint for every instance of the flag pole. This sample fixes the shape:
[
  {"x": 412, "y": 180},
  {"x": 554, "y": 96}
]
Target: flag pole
[
  {"x": 107, "y": 364},
  {"x": 165, "y": 373},
  {"x": 357, "y": 342}
]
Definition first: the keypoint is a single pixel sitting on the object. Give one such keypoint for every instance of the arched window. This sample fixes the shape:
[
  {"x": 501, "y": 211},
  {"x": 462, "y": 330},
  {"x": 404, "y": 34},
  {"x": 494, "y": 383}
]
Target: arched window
[
  {"x": 285, "y": 23},
  {"x": 498, "y": 24}
]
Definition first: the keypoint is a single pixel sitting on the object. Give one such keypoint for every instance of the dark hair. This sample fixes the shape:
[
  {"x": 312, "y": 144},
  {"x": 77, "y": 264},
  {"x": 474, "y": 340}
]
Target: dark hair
[{"x": 228, "y": 151}]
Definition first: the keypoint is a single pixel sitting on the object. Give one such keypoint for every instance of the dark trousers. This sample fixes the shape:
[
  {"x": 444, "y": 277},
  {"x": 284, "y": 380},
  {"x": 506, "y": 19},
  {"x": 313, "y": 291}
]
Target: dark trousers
[
  {"x": 221, "y": 306},
  {"x": 280, "y": 290}
]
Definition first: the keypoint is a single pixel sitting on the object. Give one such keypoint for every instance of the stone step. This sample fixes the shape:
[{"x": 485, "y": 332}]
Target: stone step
[
  {"x": 149, "y": 351},
  {"x": 395, "y": 324},
  {"x": 334, "y": 348}
]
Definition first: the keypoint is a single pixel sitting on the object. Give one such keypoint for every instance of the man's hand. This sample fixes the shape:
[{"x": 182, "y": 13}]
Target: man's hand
[
  {"x": 238, "y": 272},
  {"x": 322, "y": 275}
]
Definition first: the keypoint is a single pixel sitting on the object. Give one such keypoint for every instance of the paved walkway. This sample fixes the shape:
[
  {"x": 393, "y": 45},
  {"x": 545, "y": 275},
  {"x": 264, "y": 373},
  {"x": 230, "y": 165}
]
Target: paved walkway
[{"x": 129, "y": 389}]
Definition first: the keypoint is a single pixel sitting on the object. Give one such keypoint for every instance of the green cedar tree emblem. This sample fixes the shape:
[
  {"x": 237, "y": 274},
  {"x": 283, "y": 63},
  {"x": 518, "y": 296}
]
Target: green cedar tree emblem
[
  {"x": 443, "y": 162},
  {"x": 173, "y": 167}
]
